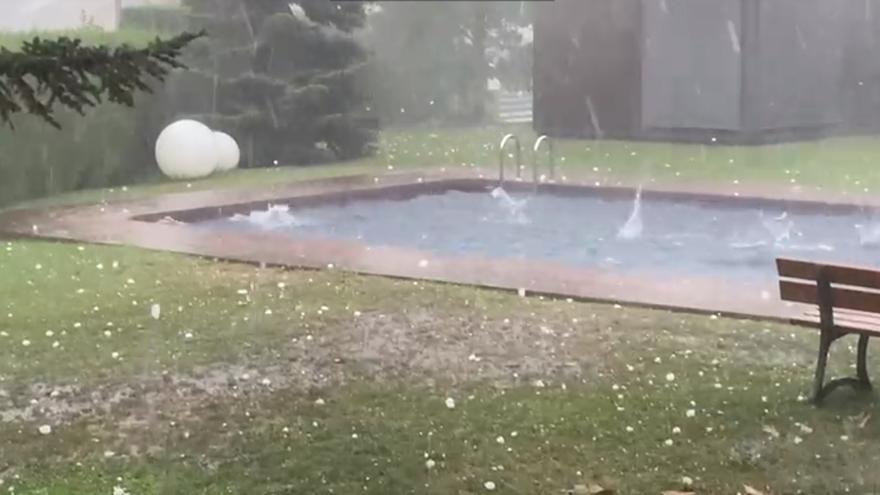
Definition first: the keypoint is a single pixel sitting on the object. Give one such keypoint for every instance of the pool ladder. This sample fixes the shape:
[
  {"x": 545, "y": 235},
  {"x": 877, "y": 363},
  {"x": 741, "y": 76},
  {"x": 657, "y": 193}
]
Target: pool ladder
[{"x": 518, "y": 156}]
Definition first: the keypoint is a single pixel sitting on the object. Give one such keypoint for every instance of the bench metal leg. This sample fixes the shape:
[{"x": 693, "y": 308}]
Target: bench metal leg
[
  {"x": 861, "y": 382},
  {"x": 862, "y": 364},
  {"x": 819, "y": 380}
]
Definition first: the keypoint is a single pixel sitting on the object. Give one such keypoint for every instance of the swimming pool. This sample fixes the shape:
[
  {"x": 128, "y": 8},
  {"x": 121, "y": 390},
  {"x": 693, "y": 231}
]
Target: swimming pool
[{"x": 663, "y": 235}]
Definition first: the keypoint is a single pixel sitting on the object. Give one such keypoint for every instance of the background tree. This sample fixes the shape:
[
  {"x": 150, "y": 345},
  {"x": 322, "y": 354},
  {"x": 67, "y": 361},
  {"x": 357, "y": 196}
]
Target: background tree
[
  {"x": 282, "y": 77},
  {"x": 432, "y": 59},
  {"x": 64, "y": 72}
]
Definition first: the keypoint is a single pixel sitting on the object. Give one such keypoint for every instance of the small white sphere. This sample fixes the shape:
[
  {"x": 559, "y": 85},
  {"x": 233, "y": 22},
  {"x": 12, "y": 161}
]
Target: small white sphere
[
  {"x": 228, "y": 153},
  {"x": 186, "y": 150}
]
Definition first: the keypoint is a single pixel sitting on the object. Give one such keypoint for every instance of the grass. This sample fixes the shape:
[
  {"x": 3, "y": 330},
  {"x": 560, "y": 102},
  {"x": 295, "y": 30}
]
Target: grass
[
  {"x": 257, "y": 380},
  {"x": 837, "y": 165},
  {"x": 276, "y": 381}
]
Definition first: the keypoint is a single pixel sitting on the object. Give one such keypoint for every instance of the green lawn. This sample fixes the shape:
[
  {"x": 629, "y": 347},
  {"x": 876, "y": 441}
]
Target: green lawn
[
  {"x": 285, "y": 381},
  {"x": 837, "y": 165},
  {"x": 282, "y": 381}
]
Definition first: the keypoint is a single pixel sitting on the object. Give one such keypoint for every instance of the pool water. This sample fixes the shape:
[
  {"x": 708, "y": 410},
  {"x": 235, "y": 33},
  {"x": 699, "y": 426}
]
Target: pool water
[{"x": 674, "y": 237}]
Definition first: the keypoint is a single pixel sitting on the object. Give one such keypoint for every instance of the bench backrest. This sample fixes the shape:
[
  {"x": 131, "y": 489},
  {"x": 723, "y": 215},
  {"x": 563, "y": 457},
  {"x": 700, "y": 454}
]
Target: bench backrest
[{"x": 836, "y": 286}]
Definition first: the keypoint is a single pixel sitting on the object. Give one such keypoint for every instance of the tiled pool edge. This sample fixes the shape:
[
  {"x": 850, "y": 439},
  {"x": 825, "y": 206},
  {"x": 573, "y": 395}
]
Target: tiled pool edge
[{"x": 116, "y": 224}]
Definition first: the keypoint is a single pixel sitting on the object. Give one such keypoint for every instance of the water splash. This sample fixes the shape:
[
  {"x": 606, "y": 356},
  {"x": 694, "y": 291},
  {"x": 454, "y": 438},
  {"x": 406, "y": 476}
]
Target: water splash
[
  {"x": 275, "y": 217},
  {"x": 513, "y": 207},
  {"x": 780, "y": 228},
  {"x": 633, "y": 227},
  {"x": 869, "y": 234}
]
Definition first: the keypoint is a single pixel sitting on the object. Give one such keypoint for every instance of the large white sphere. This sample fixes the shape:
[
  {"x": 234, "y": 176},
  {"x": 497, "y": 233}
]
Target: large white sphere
[
  {"x": 186, "y": 150},
  {"x": 228, "y": 153}
]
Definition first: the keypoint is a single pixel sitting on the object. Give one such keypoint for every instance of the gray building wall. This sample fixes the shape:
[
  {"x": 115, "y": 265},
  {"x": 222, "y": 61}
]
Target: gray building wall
[
  {"x": 691, "y": 63},
  {"x": 587, "y": 68},
  {"x": 794, "y": 63},
  {"x": 742, "y": 70}
]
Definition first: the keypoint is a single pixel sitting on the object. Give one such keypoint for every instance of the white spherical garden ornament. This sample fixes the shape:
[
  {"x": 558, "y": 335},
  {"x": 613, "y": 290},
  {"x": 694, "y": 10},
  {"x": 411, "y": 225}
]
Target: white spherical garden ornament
[
  {"x": 186, "y": 150},
  {"x": 228, "y": 153}
]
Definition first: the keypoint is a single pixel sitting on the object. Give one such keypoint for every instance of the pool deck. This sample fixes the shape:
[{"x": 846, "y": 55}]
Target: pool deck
[{"x": 134, "y": 223}]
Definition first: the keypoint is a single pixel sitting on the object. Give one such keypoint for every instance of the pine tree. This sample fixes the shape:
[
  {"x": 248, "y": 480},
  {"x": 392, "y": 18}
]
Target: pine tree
[
  {"x": 64, "y": 72},
  {"x": 283, "y": 78}
]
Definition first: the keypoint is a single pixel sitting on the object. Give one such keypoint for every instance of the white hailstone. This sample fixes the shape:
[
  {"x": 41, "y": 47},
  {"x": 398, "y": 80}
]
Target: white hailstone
[
  {"x": 188, "y": 335},
  {"x": 118, "y": 490},
  {"x": 521, "y": 292},
  {"x": 450, "y": 403},
  {"x": 45, "y": 429},
  {"x": 687, "y": 480},
  {"x": 49, "y": 333},
  {"x": 56, "y": 344},
  {"x": 668, "y": 442},
  {"x": 281, "y": 285},
  {"x": 499, "y": 440},
  {"x": 186, "y": 149},
  {"x": 319, "y": 402},
  {"x": 670, "y": 377},
  {"x": 690, "y": 413},
  {"x": 115, "y": 355},
  {"x": 630, "y": 429},
  {"x": 798, "y": 440},
  {"x": 228, "y": 152},
  {"x": 430, "y": 464},
  {"x": 676, "y": 430},
  {"x": 155, "y": 311},
  {"x": 25, "y": 342},
  {"x": 38, "y": 266},
  {"x": 266, "y": 382},
  {"x": 489, "y": 485},
  {"x": 109, "y": 453}
]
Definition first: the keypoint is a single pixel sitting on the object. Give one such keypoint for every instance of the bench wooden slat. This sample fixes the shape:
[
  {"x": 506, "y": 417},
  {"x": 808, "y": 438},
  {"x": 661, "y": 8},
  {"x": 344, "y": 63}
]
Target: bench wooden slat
[
  {"x": 846, "y": 321},
  {"x": 842, "y": 298},
  {"x": 837, "y": 274}
]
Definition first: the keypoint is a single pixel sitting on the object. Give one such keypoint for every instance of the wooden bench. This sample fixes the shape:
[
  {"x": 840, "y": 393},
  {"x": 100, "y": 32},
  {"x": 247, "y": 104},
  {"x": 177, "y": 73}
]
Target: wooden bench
[{"x": 847, "y": 301}]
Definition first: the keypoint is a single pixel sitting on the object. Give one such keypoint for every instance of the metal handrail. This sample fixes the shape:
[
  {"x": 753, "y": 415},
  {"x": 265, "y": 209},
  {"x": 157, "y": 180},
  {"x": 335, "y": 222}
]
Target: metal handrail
[
  {"x": 506, "y": 139},
  {"x": 551, "y": 163}
]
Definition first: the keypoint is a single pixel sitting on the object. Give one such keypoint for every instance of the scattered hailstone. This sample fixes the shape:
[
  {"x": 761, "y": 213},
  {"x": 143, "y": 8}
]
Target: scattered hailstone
[
  {"x": 450, "y": 403},
  {"x": 668, "y": 442},
  {"x": 45, "y": 429},
  {"x": 489, "y": 485},
  {"x": 499, "y": 440},
  {"x": 797, "y": 440},
  {"x": 670, "y": 377},
  {"x": 676, "y": 430},
  {"x": 690, "y": 413},
  {"x": 319, "y": 402},
  {"x": 115, "y": 355},
  {"x": 109, "y": 453},
  {"x": 687, "y": 481},
  {"x": 155, "y": 311},
  {"x": 188, "y": 335},
  {"x": 266, "y": 382},
  {"x": 521, "y": 292},
  {"x": 25, "y": 342},
  {"x": 118, "y": 490},
  {"x": 430, "y": 464}
]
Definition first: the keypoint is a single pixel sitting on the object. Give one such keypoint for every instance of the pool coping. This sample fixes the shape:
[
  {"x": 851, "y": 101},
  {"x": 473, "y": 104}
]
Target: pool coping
[{"x": 139, "y": 223}]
